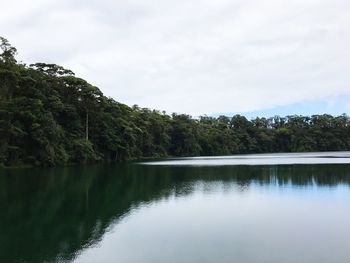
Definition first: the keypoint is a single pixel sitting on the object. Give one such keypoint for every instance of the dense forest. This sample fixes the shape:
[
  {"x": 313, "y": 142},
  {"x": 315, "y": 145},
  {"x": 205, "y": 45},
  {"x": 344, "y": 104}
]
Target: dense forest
[{"x": 48, "y": 117}]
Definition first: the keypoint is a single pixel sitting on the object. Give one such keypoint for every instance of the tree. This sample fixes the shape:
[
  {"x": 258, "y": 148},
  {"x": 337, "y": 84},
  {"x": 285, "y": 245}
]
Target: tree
[
  {"x": 48, "y": 116},
  {"x": 8, "y": 52}
]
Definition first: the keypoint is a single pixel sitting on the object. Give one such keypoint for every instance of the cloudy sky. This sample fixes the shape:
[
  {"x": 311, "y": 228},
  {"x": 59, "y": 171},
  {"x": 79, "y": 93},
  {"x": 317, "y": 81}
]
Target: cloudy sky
[{"x": 255, "y": 57}]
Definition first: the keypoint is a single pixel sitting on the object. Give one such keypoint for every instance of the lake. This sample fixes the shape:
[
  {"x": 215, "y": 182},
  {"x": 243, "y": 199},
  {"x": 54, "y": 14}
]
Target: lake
[{"x": 269, "y": 208}]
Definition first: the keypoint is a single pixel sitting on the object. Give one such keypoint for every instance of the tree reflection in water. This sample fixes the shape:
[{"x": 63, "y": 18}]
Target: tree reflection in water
[{"x": 51, "y": 215}]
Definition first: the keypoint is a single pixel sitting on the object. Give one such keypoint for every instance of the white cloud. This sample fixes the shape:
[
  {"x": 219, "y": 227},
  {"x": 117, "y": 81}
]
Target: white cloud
[{"x": 191, "y": 56}]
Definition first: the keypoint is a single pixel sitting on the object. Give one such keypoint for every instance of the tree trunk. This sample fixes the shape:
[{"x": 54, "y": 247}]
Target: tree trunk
[{"x": 87, "y": 126}]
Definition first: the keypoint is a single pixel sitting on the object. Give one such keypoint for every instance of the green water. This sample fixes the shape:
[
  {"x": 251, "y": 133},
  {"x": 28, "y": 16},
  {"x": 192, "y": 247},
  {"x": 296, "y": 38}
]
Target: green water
[{"x": 145, "y": 213}]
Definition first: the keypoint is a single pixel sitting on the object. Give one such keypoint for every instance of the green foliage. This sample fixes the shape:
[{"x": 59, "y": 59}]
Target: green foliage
[
  {"x": 82, "y": 151},
  {"x": 8, "y": 52},
  {"x": 48, "y": 117}
]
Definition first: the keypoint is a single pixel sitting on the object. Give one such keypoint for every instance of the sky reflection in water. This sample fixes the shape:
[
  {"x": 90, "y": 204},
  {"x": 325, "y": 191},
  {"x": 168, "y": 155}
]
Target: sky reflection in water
[{"x": 144, "y": 213}]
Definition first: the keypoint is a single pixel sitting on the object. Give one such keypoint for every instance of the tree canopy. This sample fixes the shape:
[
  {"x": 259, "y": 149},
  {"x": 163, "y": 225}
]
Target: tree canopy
[{"x": 48, "y": 116}]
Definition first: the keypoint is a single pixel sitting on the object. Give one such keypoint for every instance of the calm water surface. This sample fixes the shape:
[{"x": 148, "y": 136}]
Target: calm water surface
[{"x": 183, "y": 210}]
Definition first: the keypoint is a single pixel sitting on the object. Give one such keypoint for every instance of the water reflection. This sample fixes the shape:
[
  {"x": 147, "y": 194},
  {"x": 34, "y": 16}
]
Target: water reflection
[{"x": 51, "y": 215}]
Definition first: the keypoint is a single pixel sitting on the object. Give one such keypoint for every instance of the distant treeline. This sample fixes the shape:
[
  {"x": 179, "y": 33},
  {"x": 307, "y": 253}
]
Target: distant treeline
[{"x": 48, "y": 116}]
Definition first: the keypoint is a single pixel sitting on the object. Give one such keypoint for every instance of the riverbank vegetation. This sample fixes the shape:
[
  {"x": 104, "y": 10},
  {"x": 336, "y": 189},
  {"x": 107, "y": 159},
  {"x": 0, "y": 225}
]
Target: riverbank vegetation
[{"x": 48, "y": 116}]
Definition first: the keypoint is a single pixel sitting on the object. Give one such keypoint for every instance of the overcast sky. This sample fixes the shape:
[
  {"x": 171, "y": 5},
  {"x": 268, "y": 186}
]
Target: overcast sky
[{"x": 197, "y": 57}]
